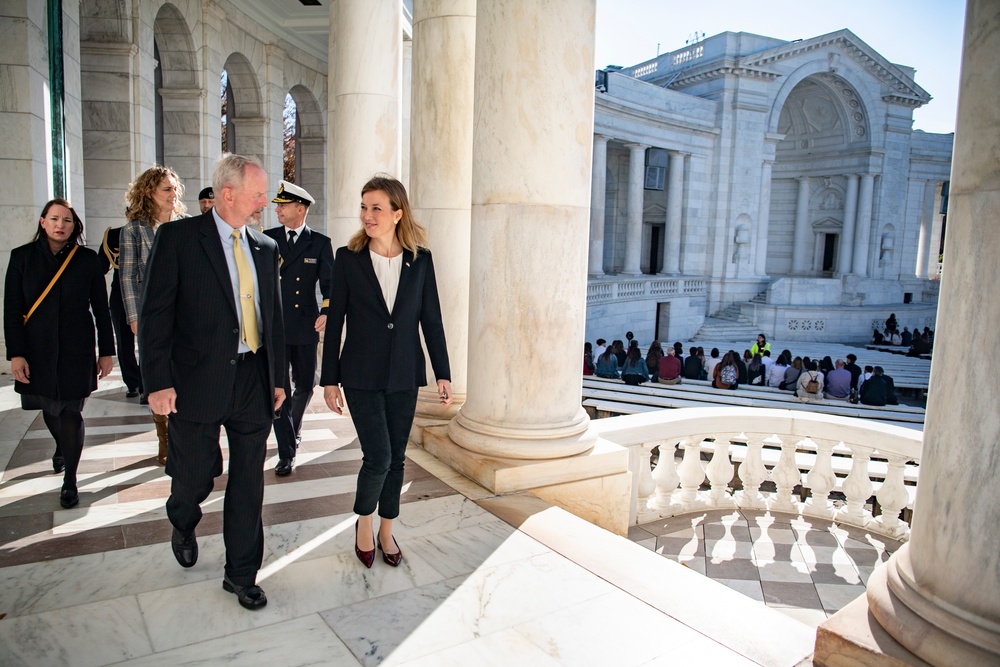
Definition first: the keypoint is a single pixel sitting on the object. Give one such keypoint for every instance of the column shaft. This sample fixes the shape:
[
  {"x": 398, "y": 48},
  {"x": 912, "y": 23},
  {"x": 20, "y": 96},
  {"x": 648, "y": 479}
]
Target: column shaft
[
  {"x": 633, "y": 232},
  {"x": 530, "y": 216},
  {"x": 444, "y": 48},
  {"x": 847, "y": 231},
  {"x": 801, "y": 248},
  {"x": 926, "y": 218},
  {"x": 863, "y": 227},
  {"x": 939, "y": 595},
  {"x": 598, "y": 193},
  {"x": 365, "y": 104},
  {"x": 675, "y": 201},
  {"x": 763, "y": 219}
]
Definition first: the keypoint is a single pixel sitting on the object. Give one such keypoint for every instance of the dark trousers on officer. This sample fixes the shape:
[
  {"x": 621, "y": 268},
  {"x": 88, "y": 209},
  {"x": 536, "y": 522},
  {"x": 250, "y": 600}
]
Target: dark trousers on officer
[
  {"x": 298, "y": 392},
  {"x": 127, "y": 362},
  {"x": 195, "y": 460},
  {"x": 382, "y": 420}
]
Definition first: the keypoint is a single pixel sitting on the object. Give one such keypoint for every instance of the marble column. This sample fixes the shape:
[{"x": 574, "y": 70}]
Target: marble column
[
  {"x": 530, "y": 215},
  {"x": 675, "y": 200},
  {"x": 763, "y": 219},
  {"x": 598, "y": 194},
  {"x": 633, "y": 232},
  {"x": 444, "y": 48},
  {"x": 939, "y": 595},
  {"x": 863, "y": 227},
  {"x": 802, "y": 235},
  {"x": 847, "y": 231},
  {"x": 365, "y": 107},
  {"x": 926, "y": 220}
]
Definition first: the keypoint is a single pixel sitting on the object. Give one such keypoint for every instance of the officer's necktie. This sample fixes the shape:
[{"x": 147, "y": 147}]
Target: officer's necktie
[
  {"x": 244, "y": 270},
  {"x": 291, "y": 239}
]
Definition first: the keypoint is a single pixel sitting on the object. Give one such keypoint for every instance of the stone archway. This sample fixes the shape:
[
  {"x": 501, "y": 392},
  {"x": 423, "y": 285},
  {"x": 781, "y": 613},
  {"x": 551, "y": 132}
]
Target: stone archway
[
  {"x": 827, "y": 136},
  {"x": 245, "y": 115},
  {"x": 311, "y": 152}
]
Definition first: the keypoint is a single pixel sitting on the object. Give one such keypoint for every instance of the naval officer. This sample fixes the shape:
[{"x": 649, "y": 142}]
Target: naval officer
[{"x": 306, "y": 259}]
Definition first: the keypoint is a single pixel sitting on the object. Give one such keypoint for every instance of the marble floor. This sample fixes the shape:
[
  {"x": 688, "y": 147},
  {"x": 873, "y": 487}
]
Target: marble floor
[{"x": 485, "y": 580}]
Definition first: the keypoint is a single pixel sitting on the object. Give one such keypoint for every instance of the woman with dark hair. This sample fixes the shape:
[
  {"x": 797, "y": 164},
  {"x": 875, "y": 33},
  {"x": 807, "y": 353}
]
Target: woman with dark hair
[
  {"x": 54, "y": 295},
  {"x": 588, "y": 359},
  {"x": 620, "y": 352},
  {"x": 776, "y": 374},
  {"x": 152, "y": 199},
  {"x": 756, "y": 371},
  {"x": 826, "y": 365},
  {"x": 607, "y": 364},
  {"x": 792, "y": 374},
  {"x": 385, "y": 289},
  {"x": 761, "y": 345},
  {"x": 634, "y": 370},
  {"x": 726, "y": 374},
  {"x": 653, "y": 356}
]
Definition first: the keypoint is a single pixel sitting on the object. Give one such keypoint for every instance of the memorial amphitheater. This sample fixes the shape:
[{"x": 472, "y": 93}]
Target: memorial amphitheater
[{"x": 741, "y": 183}]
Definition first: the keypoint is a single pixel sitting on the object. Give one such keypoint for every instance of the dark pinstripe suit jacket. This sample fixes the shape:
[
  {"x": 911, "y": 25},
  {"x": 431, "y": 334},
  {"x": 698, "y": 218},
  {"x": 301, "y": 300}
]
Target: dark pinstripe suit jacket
[{"x": 188, "y": 327}]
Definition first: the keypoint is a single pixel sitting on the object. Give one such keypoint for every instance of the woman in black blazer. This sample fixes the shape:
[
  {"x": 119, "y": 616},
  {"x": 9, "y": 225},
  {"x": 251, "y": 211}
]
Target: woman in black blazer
[
  {"x": 51, "y": 352},
  {"x": 384, "y": 286}
]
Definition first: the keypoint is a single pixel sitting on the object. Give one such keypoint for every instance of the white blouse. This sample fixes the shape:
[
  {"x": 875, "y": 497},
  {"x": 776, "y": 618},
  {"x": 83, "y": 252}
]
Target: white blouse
[{"x": 387, "y": 271}]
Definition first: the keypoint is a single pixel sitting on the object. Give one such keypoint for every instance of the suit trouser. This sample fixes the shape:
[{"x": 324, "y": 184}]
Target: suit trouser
[
  {"x": 195, "y": 459},
  {"x": 302, "y": 359},
  {"x": 127, "y": 362},
  {"x": 382, "y": 420}
]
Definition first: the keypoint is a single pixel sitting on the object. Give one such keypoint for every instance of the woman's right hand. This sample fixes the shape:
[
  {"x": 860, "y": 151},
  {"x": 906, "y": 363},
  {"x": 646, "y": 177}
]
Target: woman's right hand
[
  {"x": 135, "y": 327},
  {"x": 19, "y": 368},
  {"x": 334, "y": 399}
]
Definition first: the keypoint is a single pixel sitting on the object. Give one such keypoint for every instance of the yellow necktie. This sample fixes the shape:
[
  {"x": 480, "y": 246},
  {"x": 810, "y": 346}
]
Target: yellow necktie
[{"x": 243, "y": 269}]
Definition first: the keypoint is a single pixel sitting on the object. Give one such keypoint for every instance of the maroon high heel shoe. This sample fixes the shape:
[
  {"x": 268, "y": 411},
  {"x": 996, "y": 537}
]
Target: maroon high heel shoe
[
  {"x": 366, "y": 557},
  {"x": 390, "y": 559}
]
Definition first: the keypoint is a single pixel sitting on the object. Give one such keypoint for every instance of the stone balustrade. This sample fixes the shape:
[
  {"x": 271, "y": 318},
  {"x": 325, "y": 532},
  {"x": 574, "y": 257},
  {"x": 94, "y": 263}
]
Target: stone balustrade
[
  {"x": 610, "y": 290},
  {"x": 772, "y": 452}
]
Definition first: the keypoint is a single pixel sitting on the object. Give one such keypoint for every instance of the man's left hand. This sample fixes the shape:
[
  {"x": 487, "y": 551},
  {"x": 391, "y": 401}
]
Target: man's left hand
[
  {"x": 104, "y": 366},
  {"x": 321, "y": 323},
  {"x": 279, "y": 398}
]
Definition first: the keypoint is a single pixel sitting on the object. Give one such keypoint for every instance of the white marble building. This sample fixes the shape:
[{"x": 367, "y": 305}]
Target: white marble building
[{"x": 779, "y": 180}]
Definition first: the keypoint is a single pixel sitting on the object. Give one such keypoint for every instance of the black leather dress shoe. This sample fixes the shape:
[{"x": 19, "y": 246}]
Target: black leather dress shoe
[
  {"x": 69, "y": 498},
  {"x": 250, "y": 597},
  {"x": 185, "y": 548},
  {"x": 58, "y": 465},
  {"x": 131, "y": 393},
  {"x": 284, "y": 467},
  {"x": 143, "y": 399}
]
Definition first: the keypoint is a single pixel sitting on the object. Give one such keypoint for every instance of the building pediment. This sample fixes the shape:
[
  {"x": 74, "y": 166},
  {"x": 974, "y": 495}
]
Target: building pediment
[{"x": 903, "y": 89}]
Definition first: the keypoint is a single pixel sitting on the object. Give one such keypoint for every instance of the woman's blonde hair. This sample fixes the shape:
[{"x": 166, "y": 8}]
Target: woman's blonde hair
[
  {"x": 411, "y": 234},
  {"x": 139, "y": 202}
]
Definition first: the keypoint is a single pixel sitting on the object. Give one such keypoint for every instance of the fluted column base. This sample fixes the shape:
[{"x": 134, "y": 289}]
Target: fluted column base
[
  {"x": 550, "y": 441},
  {"x": 936, "y": 633}
]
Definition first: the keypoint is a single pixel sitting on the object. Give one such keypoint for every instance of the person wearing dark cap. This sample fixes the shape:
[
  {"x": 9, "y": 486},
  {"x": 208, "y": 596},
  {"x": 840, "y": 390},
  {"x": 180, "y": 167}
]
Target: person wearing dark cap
[
  {"x": 206, "y": 199},
  {"x": 306, "y": 259}
]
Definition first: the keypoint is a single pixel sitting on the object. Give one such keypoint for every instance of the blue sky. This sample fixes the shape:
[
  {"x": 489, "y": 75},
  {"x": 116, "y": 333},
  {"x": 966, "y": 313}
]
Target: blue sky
[{"x": 924, "y": 34}]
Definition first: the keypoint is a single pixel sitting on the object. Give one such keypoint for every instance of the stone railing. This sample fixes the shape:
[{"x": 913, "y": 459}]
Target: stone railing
[
  {"x": 784, "y": 461},
  {"x": 604, "y": 290}
]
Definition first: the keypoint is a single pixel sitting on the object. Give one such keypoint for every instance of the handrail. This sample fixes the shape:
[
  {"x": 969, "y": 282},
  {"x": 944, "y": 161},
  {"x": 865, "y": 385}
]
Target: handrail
[{"x": 805, "y": 445}]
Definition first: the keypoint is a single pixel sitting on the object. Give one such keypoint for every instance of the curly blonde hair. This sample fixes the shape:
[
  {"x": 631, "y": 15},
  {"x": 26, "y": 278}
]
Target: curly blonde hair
[
  {"x": 411, "y": 234},
  {"x": 139, "y": 203}
]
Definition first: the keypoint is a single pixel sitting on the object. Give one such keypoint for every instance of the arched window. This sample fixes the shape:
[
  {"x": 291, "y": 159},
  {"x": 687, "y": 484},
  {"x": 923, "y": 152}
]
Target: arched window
[
  {"x": 228, "y": 105},
  {"x": 290, "y": 137}
]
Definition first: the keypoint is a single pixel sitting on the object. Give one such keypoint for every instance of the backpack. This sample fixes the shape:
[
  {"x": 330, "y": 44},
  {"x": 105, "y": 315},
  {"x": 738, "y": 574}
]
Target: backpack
[
  {"x": 729, "y": 375},
  {"x": 812, "y": 387}
]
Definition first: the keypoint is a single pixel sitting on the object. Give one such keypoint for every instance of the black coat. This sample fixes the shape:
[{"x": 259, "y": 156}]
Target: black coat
[
  {"x": 382, "y": 349},
  {"x": 58, "y": 340},
  {"x": 189, "y": 331},
  {"x": 108, "y": 258},
  {"x": 308, "y": 261}
]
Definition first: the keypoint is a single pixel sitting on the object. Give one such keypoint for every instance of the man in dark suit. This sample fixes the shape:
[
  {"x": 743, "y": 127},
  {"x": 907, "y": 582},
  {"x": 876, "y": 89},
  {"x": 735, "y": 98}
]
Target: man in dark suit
[
  {"x": 127, "y": 363},
  {"x": 306, "y": 258},
  {"x": 211, "y": 348}
]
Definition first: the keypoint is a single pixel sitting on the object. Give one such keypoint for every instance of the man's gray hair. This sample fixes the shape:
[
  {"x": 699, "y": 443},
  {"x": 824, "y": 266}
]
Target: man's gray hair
[{"x": 231, "y": 170}]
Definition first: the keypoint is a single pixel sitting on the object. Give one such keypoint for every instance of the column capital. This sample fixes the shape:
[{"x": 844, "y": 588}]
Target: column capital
[
  {"x": 673, "y": 152},
  {"x": 632, "y": 146},
  {"x": 602, "y": 137}
]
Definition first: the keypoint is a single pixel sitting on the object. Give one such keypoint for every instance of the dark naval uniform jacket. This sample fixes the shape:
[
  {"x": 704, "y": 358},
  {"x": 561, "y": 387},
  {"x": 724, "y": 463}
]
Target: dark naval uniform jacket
[{"x": 308, "y": 261}]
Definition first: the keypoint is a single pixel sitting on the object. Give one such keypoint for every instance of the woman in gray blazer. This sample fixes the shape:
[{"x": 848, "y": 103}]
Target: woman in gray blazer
[{"x": 384, "y": 287}]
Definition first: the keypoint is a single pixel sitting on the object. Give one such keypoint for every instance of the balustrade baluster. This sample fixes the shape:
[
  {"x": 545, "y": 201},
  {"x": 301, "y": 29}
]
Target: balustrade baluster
[
  {"x": 893, "y": 498},
  {"x": 645, "y": 484},
  {"x": 691, "y": 475},
  {"x": 857, "y": 488},
  {"x": 720, "y": 473},
  {"x": 820, "y": 479},
  {"x": 666, "y": 478},
  {"x": 752, "y": 473},
  {"x": 785, "y": 476}
]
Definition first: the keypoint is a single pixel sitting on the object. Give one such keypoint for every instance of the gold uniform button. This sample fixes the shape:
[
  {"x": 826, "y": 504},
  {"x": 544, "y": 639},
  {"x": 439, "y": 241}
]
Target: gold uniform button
[
  {"x": 297, "y": 279},
  {"x": 296, "y": 291},
  {"x": 296, "y": 305}
]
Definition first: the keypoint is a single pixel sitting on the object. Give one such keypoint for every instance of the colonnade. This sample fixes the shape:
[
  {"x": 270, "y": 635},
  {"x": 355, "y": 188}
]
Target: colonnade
[
  {"x": 635, "y": 207},
  {"x": 855, "y": 237}
]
